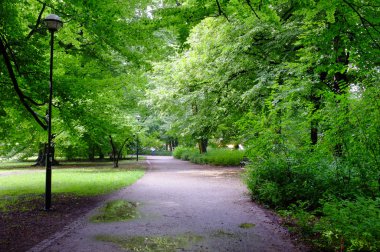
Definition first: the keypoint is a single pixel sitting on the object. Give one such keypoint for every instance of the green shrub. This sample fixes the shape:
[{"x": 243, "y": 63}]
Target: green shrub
[
  {"x": 352, "y": 224},
  {"x": 300, "y": 220},
  {"x": 177, "y": 153},
  {"x": 222, "y": 157},
  {"x": 155, "y": 153},
  {"x": 279, "y": 181}
]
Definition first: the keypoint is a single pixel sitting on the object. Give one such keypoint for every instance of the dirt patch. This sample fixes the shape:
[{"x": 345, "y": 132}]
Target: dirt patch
[{"x": 25, "y": 224}]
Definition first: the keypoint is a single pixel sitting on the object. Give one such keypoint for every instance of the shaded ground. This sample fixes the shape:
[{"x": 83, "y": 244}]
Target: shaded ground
[
  {"x": 24, "y": 224},
  {"x": 27, "y": 224},
  {"x": 183, "y": 207}
]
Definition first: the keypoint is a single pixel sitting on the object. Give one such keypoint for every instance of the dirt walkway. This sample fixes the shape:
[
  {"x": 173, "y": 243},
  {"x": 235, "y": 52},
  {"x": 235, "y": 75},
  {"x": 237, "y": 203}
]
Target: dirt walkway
[{"x": 183, "y": 207}]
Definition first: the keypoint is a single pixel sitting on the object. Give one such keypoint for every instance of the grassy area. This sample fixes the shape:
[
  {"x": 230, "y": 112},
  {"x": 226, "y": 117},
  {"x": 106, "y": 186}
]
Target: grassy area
[
  {"x": 88, "y": 181},
  {"x": 222, "y": 157}
]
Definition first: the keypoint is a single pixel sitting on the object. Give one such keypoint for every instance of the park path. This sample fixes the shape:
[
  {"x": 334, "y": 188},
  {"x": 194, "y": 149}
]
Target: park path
[{"x": 202, "y": 204}]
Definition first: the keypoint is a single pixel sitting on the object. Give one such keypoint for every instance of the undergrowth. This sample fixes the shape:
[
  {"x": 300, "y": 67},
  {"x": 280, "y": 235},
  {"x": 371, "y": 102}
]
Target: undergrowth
[{"x": 220, "y": 157}]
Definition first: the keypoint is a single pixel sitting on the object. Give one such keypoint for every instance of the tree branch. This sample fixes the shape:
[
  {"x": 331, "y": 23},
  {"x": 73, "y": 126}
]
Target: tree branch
[
  {"x": 13, "y": 56},
  {"x": 33, "y": 102},
  {"x": 221, "y": 12},
  {"x": 37, "y": 23},
  {"x": 121, "y": 147},
  {"x": 16, "y": 87},
  {"x": 57, "y": 11},
  {"x": 253, "y": 10},
  {"x": 364, "y": 20}
]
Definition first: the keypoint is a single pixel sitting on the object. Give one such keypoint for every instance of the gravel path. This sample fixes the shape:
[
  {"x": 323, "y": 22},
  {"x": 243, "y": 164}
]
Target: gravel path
[{"x": 201, "y": 207}]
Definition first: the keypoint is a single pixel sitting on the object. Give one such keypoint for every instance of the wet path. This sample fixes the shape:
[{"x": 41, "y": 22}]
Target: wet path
[{"x": 183, "y": 206}]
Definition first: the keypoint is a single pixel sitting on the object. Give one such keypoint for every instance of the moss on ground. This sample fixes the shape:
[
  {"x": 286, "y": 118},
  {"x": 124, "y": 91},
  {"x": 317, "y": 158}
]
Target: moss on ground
[
  {"x": 247, "y": 225},
  {"x": 117, "y": 210},
  {"x": 222, "y": 233},
  {"x": 152, "y": 243}
]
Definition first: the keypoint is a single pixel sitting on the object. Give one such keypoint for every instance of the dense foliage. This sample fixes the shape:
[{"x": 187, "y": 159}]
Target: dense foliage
[
  {"x": 100, "y": 59},
  {"x": 223, "y": 157}
]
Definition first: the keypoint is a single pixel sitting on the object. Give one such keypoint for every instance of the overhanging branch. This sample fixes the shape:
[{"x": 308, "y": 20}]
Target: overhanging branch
[
  {"x": 221, "y": 12},
  {"x": 364, "y": 21},
  {"x": 37, "y": 23},
  {"x": 16, "y": 87},
  {"x": 252, "y": 9}
]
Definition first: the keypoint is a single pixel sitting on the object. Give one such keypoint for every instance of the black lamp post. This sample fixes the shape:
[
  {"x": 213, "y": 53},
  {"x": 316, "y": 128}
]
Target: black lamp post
[
  {"x": 138, "y": 117},
  {"x": 137, "y": 147},
  {"x": 53, "y": 23}
]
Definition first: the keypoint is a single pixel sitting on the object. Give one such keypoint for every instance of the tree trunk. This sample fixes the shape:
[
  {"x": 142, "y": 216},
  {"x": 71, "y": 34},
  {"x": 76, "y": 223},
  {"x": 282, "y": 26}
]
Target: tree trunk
[
  {"x": 314, "y": 123},
  {"x": 41, "y": 159},
  {"x": 340, "y": 83},
  {"x": 202, "y": 145},
  {"x": 114, "y": 154},
  {"x": 314, "y": 133},
  {"x": 91, "y": 153},
  {"x": 170, "y": 146},
  {"x": 101, "y": 154}
]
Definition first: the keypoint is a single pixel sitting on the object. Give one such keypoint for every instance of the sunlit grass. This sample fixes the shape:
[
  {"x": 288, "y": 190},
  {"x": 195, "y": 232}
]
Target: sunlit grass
[
  {"x": 84, "y": 182},
  {"x": 76, "y": 181}
]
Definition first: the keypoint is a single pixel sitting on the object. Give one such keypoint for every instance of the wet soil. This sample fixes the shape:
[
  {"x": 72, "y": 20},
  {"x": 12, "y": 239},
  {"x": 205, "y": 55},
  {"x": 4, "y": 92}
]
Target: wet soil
[{"x": 27, "y": 223}]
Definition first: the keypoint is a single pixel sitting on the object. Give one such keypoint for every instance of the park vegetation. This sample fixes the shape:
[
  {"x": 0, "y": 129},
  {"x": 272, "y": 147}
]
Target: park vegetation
[
  {"x": 221, "y": 157},
  {"x": 297, "y": 83},
  {"x": 87, "y": 179}
]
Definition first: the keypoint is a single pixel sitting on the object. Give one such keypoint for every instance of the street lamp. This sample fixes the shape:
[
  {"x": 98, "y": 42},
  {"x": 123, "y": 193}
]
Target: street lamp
[
  {"x": 53, "y": 23},
  {"x": 138, "y": 118}
]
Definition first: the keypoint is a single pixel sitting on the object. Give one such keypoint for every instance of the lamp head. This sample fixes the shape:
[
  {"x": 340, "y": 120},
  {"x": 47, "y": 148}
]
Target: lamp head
[{"x": 53, "y": 22}]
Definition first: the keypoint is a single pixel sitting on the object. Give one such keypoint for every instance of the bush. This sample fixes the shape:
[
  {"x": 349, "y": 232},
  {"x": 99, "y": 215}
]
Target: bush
[
  {"x": 156, "y": 152},
  {"x": 354, "y": 225},
  {"x": 222, "y": 157},
  {"x": 279, "y": 181},
  {"x": 184, "y": 153},
  {"x": 340, "y": 225},
  {"x": 177, "y": 153}
]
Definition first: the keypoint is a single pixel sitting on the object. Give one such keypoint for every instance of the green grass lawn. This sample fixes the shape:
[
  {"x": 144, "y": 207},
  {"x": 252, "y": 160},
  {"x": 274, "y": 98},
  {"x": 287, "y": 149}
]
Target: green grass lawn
[{"x": 78, "y": 181}]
